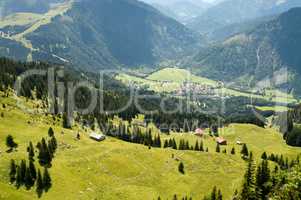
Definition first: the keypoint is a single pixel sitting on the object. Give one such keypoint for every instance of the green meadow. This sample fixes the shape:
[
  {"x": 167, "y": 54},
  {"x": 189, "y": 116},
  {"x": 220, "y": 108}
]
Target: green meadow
[{"x": 113, "y": 169}]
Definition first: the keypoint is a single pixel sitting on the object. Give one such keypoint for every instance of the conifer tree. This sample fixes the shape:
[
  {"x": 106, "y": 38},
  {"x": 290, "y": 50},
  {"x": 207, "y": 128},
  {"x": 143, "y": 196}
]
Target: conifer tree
[
  {"x": 174, "y": 144},
  {"x": 10, "y": 143},
  {"x": 13, "y": 171},
  {"x": 23, "y": 170},
  {"x": 264, "y": 156},
  {"x": 218, "y": 149},
  {"x": 233, "y": 151},
  {"x": 219, "y": 195},
  {"x": 30, "y": 151},
  {"x": 19, "y": 180},
  {"x": 46, "y": 180},
  {"x": 33, "y": 171},
  {"x": 248, "y": 185},
  {"x": 214, "y": 193},
  {"x": 28, "y": 180},
  {"x": 196, "y": 147},
  {"x": 44, "y": 155},
  {"x": 39, "y": 184},
  {"x": 202, "y": 146},
  {"x": 50, "y": 132},
  {"x": 165, "y": 144},
  {"x": 245, "y": 151},
  {"x": 181, "y": 168}
]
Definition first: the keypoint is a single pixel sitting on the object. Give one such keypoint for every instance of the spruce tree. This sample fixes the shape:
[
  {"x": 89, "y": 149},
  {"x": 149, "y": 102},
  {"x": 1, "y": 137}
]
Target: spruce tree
[
  {"x": 233, "y": 151},
  {"x": 10, "y": 143},
  {"x": 196, "y": 147},
  {"x": 245, "y": 151},
  {"x": 214, "y": 193},
  {"x": 28, "y": 180},
  {"x": 30, "y": 150},
  {"x": 202, "y": 146},
  {"x": 19, "y": 180},
  {"x": 218, "y": 149},
  {"x": 46, "y": 180},
  {"x": 50, "y": 132},
  {"x": 248, "y": 185},
  {"x": 33, "y": 171},
  {"x": 165, "y": 144},
  {"x": 174, "y": 144},
  {"x": 219, "y": 195},
  {"x": 264, "y": 156},
  {"x": 13, "y": 171},
  {"x": 181, "y": 168},
  {"x": 23, "y": 170},
  {"x": 39, "y": 184}
]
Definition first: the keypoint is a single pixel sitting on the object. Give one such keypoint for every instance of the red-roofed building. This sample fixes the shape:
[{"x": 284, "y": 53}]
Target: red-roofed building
[
  {"x": 199, "y": 132},
  {"x": 221, "y": 141}
]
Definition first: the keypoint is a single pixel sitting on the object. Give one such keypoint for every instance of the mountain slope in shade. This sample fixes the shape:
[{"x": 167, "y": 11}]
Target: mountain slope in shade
[
  {"x": 238, "y": 11},
  {"x": 270, "y": 50},
  {"x": 107, "y": 34}
]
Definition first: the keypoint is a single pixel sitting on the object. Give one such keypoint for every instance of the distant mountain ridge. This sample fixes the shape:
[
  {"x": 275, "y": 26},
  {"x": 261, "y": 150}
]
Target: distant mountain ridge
[
  {"x": 265, "y": 52},
  {"x": 238, "y": 11},
  {"x": 91, "y": 35}
]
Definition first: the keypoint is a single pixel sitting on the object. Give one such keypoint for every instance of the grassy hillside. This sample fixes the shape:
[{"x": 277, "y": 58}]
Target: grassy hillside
[{"x": 113, "y": 169}]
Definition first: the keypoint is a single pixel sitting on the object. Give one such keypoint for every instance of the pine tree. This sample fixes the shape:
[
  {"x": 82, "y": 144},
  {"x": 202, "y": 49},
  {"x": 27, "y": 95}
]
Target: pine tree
[
  {"x": 248, "y": 186},
  {"x": 39, "y": 184},
  {"x": 28, "y": 180},
  {"x": 45, "y": 156},
  {"x": 196, "y": 147},
  {"x": 165, "y": 144},
  {"x": 23, "y": 170},
  {"x": 46, "y": 180},
  {"x": 174, "y": 144},
  {"x": 181, "y": 168},
  {"x": 202, "y": 146},
  {"x": 30, "y": 151},
  {"x": 18, "y": 177},
  {"x": 10, "y": 143},
  {"x": 13, "y": 171},
  {"x": 264, "y": 156},
  {"x": 245, "y": 151},
  {"x": 213, "y": 193},
  {"x": 219, "y": 195},
  {"x": 50, "y": 132},
  {"x": 218, "y": 149},
  {"x": 33, "y": 171},
  {"x": 233, "y": 151}
]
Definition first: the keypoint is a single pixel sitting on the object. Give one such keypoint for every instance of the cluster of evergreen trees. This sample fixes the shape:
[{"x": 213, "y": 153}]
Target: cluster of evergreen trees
[
  {"x": 46, "y": 149},
  {"x": 27, "y": 175},
  {"x": 280, "y": 160},
  {"x": 260, "y": 182},
  {"x": 135, "y": 134}
]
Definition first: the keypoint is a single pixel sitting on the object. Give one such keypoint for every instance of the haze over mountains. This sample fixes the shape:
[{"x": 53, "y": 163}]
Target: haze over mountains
[{"x": 238, "y": 11}]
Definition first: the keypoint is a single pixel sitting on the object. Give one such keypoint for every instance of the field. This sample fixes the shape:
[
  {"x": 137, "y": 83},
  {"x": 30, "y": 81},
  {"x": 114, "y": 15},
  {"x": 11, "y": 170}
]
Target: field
[
  {"x": 170, "y": 80},
  {"x": 112, "y": 169}
]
